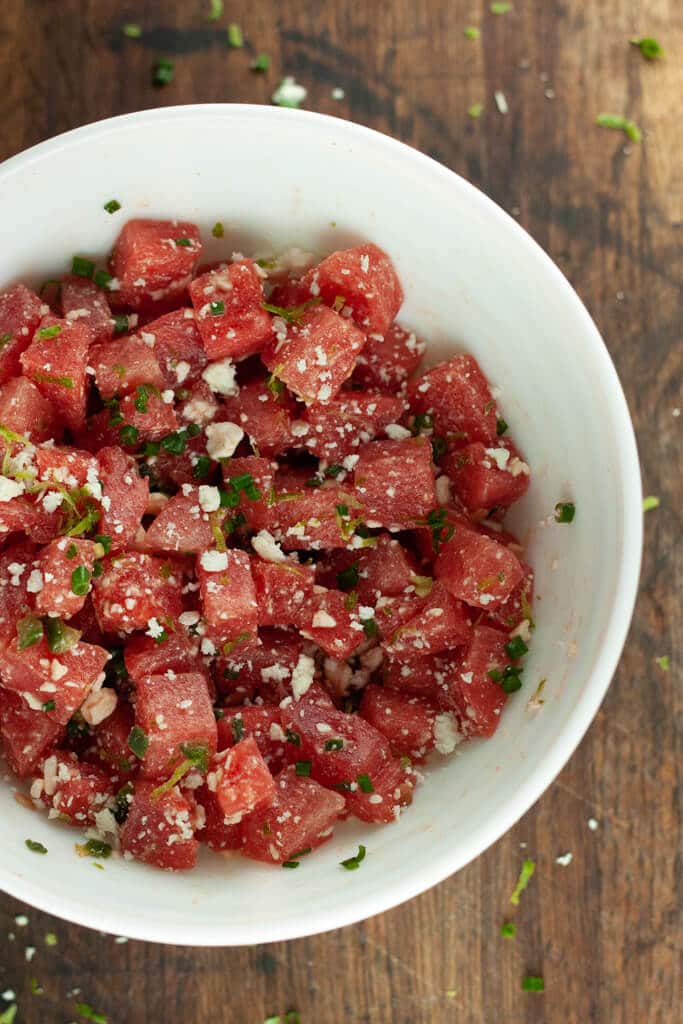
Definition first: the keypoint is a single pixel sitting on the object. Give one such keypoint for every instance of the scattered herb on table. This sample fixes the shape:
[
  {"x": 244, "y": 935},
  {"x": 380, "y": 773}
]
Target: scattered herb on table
[
  {"x": 471, "y": 32},
  {"x": 533, "y": 983},
  {"x": 475, "y": 110},
  {"x": 525, "y": 875},
  {"x": 650, "y": 503},
  {"x": 508, "y": 930},
  {"x": 215, "y": 10},
  {"x": 649, "y": 48},
  {"x": 163, "y": 72},
  {"x": 235, "y": 37},
  {"x": 621, "y": 123},
  {"x": 663, "y": 662}
]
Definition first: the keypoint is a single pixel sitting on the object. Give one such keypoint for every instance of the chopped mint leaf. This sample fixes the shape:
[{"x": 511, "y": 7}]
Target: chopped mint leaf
[
  {"x": 565, "y": 512},
  {"x": 113, "y": 205},
  {"x": 352, "y": 863},
  {"x": 533, "y": 983},
  {"x": 664, "y": 662},
  {"x": 650, "y": 503},
  {"x": 649, "y": 48},
  {"x": 261, "y": 62},
  {"x": 35, "y": 847},
  {"x": 235, "y": 36},
  {"x": 508, "y": 930},
  {"x": 218, "y": 230},
  {"x": 471, "y": 32},
  {"x": 525, "y": 875},
  {"x": 621, "y": 123},
  {"x": 163, "y": 72}
]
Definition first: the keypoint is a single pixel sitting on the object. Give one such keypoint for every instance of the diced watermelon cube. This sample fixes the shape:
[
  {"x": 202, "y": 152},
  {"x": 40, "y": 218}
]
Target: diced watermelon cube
[
  {"x": 393, "y": 612},
  {"x": 215, "y": 831},
  {"x": 16, "y": 562},
  {"x": 265, "y": 416},
  {"x": 478, "y": 569},
  {"x": 365, "y": 278},
  {"x": 173, "y": 713},
  {"x": 70, "y": 467},
  {"x": 440, "y": 624},
  {"x": 144, "y": 656},
  {"x": 281, "y": 590},
  {"x": 486, "y": 478},
  {"x": 153, "y": 261},
  {"x": 388, "y": 360},
  {"x": 82, "y": 299},
  {"x": 43, "y": 678},
  {"x": 65, "y": 566},
  {"x": 301, "y": 517},
  {"x": 417, "y": 677},
  {"x": 264, "y": 725},
  {"x": 182, "y": 525},
  {"x": 316, "y": 355},
  {"x": 55, "y": 361},
  {"x": 255, "y": 511},
  {"x": 469, "y": 689},
  {"x": 157, "y": 420},
  {"x": 394, "y": 482},
  {"x": 20, "y": 313},
  {"x": 385, "y": 569},
  {"x": 124, "y": 364},
  {"x": 26, "y": 735},
  {"x": 29, "y": 517},
  {"x": 259, "y": 668},
  {"x": 301, "y": 817},
  {"x": 517, "y": 607},
  {"x": 134, "y": 589},
  {"x": 364, "y": 752},
  {"x": 177, "y": 345},
  {"x": 407, "y": 722},
  {"x": 76, "y": 791},
  {"x": 25, "y": 411},
  {"x": 108, "y": 744},
  {"x": 160, "y": 831},
  {"x": 457, "y": 396},
  {"x": 124, "y": 497},
  {"x": 228, "y": 595},
  {"x": 326, "y": 619},
  {"x": 342, "y": 425},
  {"x": 241, "y": 780},
  {"x": 228, "y": 304}
]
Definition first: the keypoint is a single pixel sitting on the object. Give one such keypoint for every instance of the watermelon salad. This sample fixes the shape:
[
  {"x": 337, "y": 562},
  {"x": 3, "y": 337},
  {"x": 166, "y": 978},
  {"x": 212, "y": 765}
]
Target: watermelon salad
[{"x": 253, "y": 571}]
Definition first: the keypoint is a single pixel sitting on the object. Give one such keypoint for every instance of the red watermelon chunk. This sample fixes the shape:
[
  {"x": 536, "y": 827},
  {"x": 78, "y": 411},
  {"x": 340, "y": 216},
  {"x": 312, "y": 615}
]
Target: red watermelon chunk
[
  {"x": 440, "y": 624},
  {"x": 241, "y": 780},
  {"x": 478, "y": 569},
  {"x": 393, "y": 612},
  {"x": 486, "y": 478},
  {"x": 301, "y": 817},
  {"x": 407, "y": 722},
  {"x": 55, "y": 361},
  {"x": 215, "y": 831},
  {"x": 364, "y": 752},
  {"x": 315, "y": 518},
  {"x": 122, "y": 365},
  {"x": 281, "y": 590},
  {"x": 173, "y": 713},
  {"x": 456, "y": 395},
  {"x": 144, "y": 656},
  {"x": 388, "y": 360},
  {"x": 394, "y": 482},
  {"x": 26, "y": 412},
  {"x": 326, "y": 619},
  {"x": 365, "y": 278},
  {"x": 228, "y": 304},
  {"x": 76, "y": 791},
  {"x": 43, "y": 678},
  {"x": 416, "y": 677},
  {"x": 517, "y": 607},
  {"x": 469, "y": 689},
  {"x": 20, "y": 313},
  {"x": 153, "y": 262},
  {"x": 385, "y": 569},
  {"x": 134, "y": 589},
  {"x": 16, "y": 562},
  {"x": 156, "y": 421},
  {"x": 177, "y": 346},
  {"x": 264, "y": 725},
  {"x": 20, "y": 515},
  {"x": 182, "y": 525},
  {"x": 259, "y": 668},
  {"x": 82, "y": 299},
  {"x": 109, "y": 744},
  {"x": 70, "y": 467},
  {"x": 342, "y": 425},
  {"x": 26, "y": 735},
  {"x": 160, "y": 830},
  {"x": 124, "y": 497},
  {"x": 264, "y": 415},
  {"x": 314, "y": 356},
  {"x": 228, "y": 595},
  {"x": 65, "y": 566}
]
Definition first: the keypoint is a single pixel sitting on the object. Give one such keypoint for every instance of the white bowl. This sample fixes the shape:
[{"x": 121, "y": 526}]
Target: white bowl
[{"x": 473, "y": 280}]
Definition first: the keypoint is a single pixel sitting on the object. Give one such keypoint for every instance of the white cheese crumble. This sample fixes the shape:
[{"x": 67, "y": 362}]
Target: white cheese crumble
[
  {"x": 322, "y": 620},
  {"x": 565, "y": 859},
  {"x": 209, "y": 498},
  {"x": 154, "y": 628},
  {"x": 10, "y": 488},
  {"x": 221, "y": 377},
  {"x": 302, "y": 675},
  {"x": 264, "y": 544},
  {"x": 222, "y": 439},
  {"x": 500, "y": 456},
  {"x": 396, "y": 432},
  {"x": 214, "y": 561},
  {"x": 446, "y": 735},
  {"x": 35, "y": 582},
  {"x": 289, "y": 93}
]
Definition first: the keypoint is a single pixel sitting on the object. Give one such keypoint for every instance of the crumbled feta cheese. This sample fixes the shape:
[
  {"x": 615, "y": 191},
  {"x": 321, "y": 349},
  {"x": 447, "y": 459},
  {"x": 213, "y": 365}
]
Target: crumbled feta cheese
[
  {"x": 265, "y": 545},
  {"x": 337, "y": 93},
  {"x": 322, "y": 620},
  {"x": 593, "y": 825},
  {"x": 207, "y": 646},
  {"x": 446, "y": 735},
  {"x": 523, "y": 630},
  {"x": 302, "y": 675},
  {"x": 396, "y": 432},
  {"x": 189, "y": 618},
  {"x": 500, "y": 456},
  {"x": 222, "y": 439},
  {"x": 289, "y": 93},
  {"x": 154, "y": 628},
  {"x": 501, "y": 102},
  {"x": 10, "y": 488},
  {"x": 167, "y": 397},
  {"x": 209, "y": 498},
  {"x": 214, "y": 561},
  {"x": 35, "y": 582},
  {"x": 221, "y": 377},
  {"x": 565, "y": 859},
  {"x": 199, "y": 411}
]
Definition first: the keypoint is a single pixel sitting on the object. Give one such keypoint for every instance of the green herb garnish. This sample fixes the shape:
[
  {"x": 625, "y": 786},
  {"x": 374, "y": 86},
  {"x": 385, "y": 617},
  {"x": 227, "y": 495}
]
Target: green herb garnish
[
  {"x": 217, "y": 308},
  {"x": 565, "y": 512},
  {"x": 261, "y": 62},
  {"x": 138, "y": 741},
  {"x": 121, "y": 324},
  {"x": 129, "y": 435},
  {"x": 96, "y": 848},
  {"x": 215, "y": 10},
  {"x": 235, "y": 37},
  {"x": 163, "y": 72},
  {"x": 88, "y": 1013},
  {"x": 292, "y": 314},
  {"x": 60, "y": 638},
  {"x": 528, "y": 868},
  {"x": 303, "y": 768},
  {"x": 621, "y": 123},
  {"x": 82, "y": 267},
  {"x": 218, "y": 230},
  {"x": 508, "y": 678},
  {"x": 49, "y": 332},
  {"x": 114, "y": 205},
  {"x": 48, "y": 705},
  {"x": 471, "y": 32},
  {"x": 237, "y": 728},
  {"x": 516, "y": 648},
  {"x": 508, "y": 930},
  {"x": 132, "y": 31},
  {"x": 370, "y": 628},
  {"x": 335, "y": 744},
  {"x": 475, "y": 110},
  {"x": 29, "y": 632},
  {"x": 649, "y": 48},
  {"x": 80, "y": 581},
  {"x": 533, "y": 983},
  {"x": 650, "y": 503},
  {"x": 364, "y": 784},
  {"x": 35, "y": 847},
  {"x": 664, "y": 662},
  {"x": 501, "y": 426},
  {"x": 347, "y": 579},
  {"x": 351, "y": 863},
  {"x": 500, "y": 7},
  {"x": 293, "y": 737}
]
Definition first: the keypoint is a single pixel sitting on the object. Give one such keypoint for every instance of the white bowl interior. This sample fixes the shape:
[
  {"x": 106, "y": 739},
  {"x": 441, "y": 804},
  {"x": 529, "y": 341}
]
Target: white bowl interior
[{"x": 473, "y": 280}]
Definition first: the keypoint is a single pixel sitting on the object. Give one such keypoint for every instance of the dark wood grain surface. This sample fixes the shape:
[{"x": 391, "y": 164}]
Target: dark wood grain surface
[{"x": 606, "y": 932}]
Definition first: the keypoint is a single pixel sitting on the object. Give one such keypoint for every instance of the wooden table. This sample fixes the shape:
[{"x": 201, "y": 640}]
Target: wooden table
[{"x": 606, "y": 931}]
